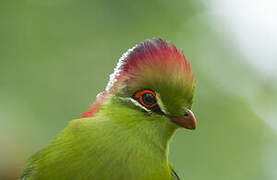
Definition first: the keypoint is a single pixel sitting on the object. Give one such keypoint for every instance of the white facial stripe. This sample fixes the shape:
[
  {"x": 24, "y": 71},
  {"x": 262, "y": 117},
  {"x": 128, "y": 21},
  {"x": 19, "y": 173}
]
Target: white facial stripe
[
  {"x": 139, "y": 105},
  {"x": 135, "y": 103},
  {"x": 160, "y": 103},
  {"x": 163, "y": 109}
]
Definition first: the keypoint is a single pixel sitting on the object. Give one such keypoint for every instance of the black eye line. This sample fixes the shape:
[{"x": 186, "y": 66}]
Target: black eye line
[
  {"x": 134, "y": 95},
  {"x": 156, "y": 109}
]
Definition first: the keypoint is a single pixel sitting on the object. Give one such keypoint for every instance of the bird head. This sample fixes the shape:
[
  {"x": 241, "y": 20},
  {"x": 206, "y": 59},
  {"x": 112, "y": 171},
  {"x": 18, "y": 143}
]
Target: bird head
[{"x": 154, "y": 81}]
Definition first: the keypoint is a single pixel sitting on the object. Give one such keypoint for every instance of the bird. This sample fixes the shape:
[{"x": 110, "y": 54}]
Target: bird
[{"x": 125, "y": 134}]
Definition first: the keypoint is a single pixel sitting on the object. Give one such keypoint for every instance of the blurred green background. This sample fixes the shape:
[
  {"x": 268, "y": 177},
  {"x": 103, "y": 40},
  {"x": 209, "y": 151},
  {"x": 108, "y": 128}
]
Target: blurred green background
[{"x": 56, "y": 56}]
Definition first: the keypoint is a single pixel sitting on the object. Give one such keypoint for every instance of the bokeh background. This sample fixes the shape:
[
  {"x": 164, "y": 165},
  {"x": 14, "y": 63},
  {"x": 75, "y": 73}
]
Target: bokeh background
[{"x": 56, "y": 55}]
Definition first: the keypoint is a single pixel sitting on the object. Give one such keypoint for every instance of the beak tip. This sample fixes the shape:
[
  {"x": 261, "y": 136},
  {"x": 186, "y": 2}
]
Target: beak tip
[
  {"x": 188, "y": 121},
  {"x": 191, "y": 126}
]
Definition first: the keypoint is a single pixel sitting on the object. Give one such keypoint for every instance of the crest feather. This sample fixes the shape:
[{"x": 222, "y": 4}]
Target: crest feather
[
  {"x": 162, "y": 58},
  {"x": 157, "y": 52}
]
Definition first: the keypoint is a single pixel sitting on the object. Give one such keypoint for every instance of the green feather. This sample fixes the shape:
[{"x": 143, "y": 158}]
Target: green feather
[
  {"x": 120, "y": 143},
  {"x": 123, "y": 140}
]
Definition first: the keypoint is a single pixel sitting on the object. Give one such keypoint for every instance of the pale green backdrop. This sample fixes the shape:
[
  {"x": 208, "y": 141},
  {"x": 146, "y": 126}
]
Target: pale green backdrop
[{"x": 56, "y": 55}]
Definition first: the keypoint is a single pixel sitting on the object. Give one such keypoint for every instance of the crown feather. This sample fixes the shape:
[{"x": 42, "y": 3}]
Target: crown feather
[
  {"x": 156, "y": 52},
  {"x": 163, "y": 60}
]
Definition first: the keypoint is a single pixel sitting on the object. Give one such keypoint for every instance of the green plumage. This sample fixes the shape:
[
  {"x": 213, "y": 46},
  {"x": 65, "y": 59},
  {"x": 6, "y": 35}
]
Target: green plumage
[
  {"x": 117, "y": 144},
  {"x": 121, "y": 138}
]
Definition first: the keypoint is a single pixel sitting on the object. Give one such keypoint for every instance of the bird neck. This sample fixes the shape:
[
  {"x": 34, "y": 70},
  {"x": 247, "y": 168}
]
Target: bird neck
[{"x": 154, "y": 131}]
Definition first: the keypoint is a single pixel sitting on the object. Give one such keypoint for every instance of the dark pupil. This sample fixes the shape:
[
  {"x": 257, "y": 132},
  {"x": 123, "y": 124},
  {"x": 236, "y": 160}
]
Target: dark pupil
[{"x": 148, "y": 99}]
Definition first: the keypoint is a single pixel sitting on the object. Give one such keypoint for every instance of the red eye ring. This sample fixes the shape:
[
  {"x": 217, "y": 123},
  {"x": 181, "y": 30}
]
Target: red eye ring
[{"x": 139, "y": 96}]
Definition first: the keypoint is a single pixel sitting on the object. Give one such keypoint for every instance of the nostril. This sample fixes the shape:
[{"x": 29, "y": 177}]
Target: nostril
[{"x": 186, "y": 115}]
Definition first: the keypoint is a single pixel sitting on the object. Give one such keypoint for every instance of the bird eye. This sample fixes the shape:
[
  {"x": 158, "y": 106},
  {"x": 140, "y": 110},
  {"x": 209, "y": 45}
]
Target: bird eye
[{"x": 147, "y": 98}]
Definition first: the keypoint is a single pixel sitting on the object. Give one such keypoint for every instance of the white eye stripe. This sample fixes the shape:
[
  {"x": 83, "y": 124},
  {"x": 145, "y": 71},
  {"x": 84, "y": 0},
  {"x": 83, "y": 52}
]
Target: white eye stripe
[
  {"x": 139, "y": 105},
  {"x": 135, "y": 103},
  {"x": 160, "y": 103}
]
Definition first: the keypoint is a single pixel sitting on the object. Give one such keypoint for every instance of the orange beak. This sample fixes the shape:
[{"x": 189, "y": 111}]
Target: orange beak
[{"x": 187, "y": 121}]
